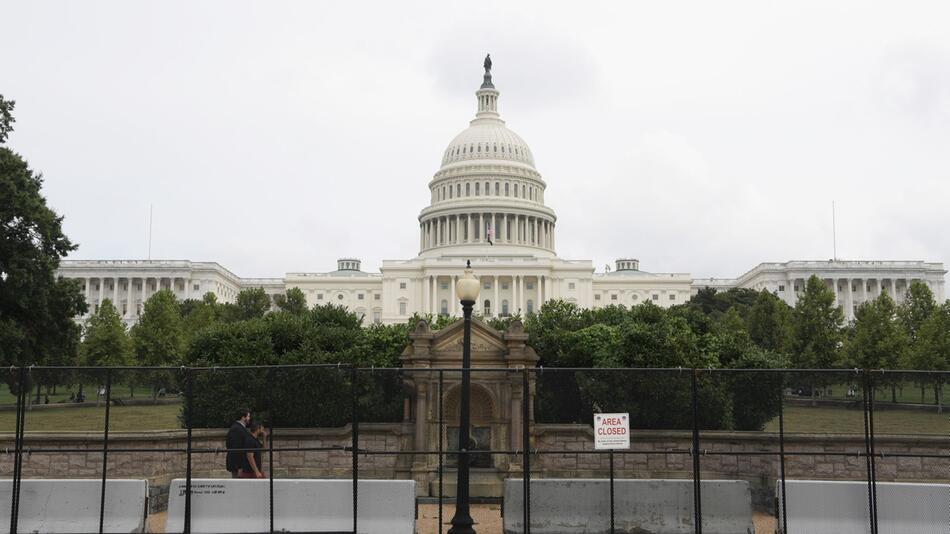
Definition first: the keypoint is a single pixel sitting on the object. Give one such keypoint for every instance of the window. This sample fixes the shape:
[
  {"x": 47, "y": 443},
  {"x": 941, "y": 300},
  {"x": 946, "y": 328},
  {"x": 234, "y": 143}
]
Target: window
[
  {"x": 570, "y": 285},
  {"x": 377, "y": 318},
  {"x": 497, "y": 185},
  {"x": 359, "y": 297},
  {"x": 402, "y": 308},
  {"x": 781, "y": 287},
  {"x": 672, "y": 296},
  {"x": 445, "y": 285},
  {"x": 530, "y": 306},
  {"x": 468, "y": 189},
  {"x": 402, "y": 285},
  {"x": 458, "y": 190},
  {"x": 486, "y": 285},
  {"x": 656, "y": 297},
  {"x": 635, "y": 297},
  {"x": 445, "y": 307},
  {"x": 529, "y": 285},
  {"x": 376, "y": 296},
  {"x": 613, "y": 297},
  {"x": 487, "y": 188},
  {"x": 450, "y": 191},
  {"x": 477, "y": 186},
  {"x": 522, "y": 190},
  {"x": 504, "y": 308},
  {"x": 195, "y": 287},
  {"x": 597, "y": 297},
  {"x": 506, "y": 189},
  {"x": 487, "y": 308},
  {"x": 443, "y": 192},
  {"x": 340, "y": 296},
  {"x": 504, "y": 285},
  {"x": 125, "y": 308},
  {"x": 320, "y": 296},
  {"x": 516, "y": 190}
]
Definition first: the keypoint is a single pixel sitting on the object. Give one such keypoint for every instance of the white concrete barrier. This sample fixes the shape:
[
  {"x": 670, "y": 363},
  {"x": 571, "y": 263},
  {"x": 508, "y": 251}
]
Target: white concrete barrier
[
  {"x": 564, "y": 506},
  {"x": 72, "y": 505},
  {"x": 235, "y": 505},
  {"x": 841, "y": 507}
]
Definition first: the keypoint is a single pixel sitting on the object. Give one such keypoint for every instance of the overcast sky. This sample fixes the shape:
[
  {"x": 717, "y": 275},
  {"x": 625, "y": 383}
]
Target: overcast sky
[{"x": 276, "y": 137}]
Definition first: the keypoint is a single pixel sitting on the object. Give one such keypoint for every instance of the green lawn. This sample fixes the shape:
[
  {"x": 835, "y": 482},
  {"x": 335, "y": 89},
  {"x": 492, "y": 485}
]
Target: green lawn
[
  {"x": 119, "y": 391},
  {"x": 907, "y": 392},
  {"x": 797, "y": 419},
  {"x": 841, "y": 420},
  {"x": 121, "y": 418}
]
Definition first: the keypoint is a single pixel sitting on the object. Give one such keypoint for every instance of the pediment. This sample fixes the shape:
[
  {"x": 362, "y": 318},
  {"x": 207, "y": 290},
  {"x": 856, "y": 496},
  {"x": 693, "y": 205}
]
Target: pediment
[{"x": 485, "y": 340}]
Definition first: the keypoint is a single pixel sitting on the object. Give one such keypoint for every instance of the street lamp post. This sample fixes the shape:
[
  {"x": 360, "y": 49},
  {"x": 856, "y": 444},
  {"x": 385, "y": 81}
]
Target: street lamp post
[{"x": 467, "y": 290}]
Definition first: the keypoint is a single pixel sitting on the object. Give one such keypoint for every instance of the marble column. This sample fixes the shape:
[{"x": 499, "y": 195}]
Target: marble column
[
  {"x": 115, "y": 293},
  {"x": 849, "y": 300},
  {"x": 88, "y": 304},
  {"x": 102, "y": 289},
  {"x": 452, "y": 303},
  {"x": 426, "y": 299},
  {"x": 496, "y": 304}
]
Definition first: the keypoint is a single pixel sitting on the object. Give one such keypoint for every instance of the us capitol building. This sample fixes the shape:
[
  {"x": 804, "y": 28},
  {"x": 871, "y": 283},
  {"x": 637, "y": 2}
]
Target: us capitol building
[{"x": 486, "y": 204}]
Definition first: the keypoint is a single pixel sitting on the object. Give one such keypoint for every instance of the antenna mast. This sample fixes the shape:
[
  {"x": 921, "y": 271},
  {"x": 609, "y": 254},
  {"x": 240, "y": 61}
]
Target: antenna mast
[
  {"x": 150, "y": 231},
  {"x": 834, "y": 233}
]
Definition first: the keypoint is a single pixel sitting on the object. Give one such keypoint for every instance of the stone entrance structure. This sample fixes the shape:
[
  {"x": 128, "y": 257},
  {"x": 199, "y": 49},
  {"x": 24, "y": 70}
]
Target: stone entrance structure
[{"x": 496, "y": 401}]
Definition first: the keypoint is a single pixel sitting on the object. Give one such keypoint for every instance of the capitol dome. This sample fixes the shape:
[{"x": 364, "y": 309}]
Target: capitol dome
[{"x": 487, "y": 198}]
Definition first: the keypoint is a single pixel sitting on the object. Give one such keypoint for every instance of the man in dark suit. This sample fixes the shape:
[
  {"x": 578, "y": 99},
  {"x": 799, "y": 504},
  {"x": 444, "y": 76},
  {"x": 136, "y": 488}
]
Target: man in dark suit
[{"x": 237, "y": 439}]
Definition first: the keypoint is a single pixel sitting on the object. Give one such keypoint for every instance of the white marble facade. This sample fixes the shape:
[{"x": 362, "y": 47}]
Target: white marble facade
[{"x": 486, "y": 204}]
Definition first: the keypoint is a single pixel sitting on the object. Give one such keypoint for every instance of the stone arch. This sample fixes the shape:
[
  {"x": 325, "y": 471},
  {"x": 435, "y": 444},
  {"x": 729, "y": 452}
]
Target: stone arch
[{"x": 482, "y": 404}]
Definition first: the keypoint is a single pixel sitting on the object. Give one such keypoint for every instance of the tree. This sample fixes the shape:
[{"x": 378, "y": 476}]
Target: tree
[
  {"x": 253, "y": 303},
  {"x": 917, "y": 307},
  {"x": 159, "y": 338},
  {"x": 770, "y": 322},
  {"x": 105, "y": 342},
  {"x": 817, "y": 335},
  {"x": 36, "y": 308},
  {"x": 292, "y": 301},
  {"x": 878, "y": 341},
  {"x": 196, "y": 315},
  {"x": 932, "y": 350}
]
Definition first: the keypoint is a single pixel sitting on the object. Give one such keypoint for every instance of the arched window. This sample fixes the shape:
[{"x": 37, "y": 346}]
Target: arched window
[
  {"x": 496, "y": 148},
  {"x": 468, "y": 189},
  {"x": 506, "y": 189},
  {"x": 496, "y": 188},
  {"x": 477, "y": 188},
  {"x": 522, "y": 190},
  {"x": 516, "y": 190},
  {"x": 504, "y": 308},
  {"x": 445, "y": 307},
  {"x": 479, "y": 147},
  {"x": 487, "y": 308},
  {"x": 487, "y": 188},
  {"x": 450, "y": 191},
  {"x": 530, "y": 306},
  {"x": 531, "y": 193},
  {"x": 458, "y": 190}
]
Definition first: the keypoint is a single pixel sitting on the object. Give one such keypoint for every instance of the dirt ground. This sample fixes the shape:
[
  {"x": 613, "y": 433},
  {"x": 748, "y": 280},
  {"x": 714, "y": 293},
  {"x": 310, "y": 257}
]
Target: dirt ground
[{"x": 487, "y": 520}]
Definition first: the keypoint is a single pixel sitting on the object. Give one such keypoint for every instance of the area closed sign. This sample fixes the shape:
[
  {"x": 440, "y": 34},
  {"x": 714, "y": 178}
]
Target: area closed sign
[{"x": 611, "y": 431}]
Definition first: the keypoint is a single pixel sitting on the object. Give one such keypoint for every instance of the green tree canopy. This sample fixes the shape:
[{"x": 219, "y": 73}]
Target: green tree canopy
[
  {"x": 36, "y": 308},
  {"x": 105, "y": 341},
  {"x": 878, "y": 341},
  {"x": 917, "y": 307},
  {"x": 817, "y": 323},
  {"x": 770, "y": 322},
  {"x": 253, "y": 303},
  {"x": 292, "y": 301}
]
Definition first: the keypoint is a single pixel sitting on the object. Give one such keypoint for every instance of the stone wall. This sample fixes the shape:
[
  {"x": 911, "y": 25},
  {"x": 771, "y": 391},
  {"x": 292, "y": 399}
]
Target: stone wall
[{"x": 761, "y": 470}]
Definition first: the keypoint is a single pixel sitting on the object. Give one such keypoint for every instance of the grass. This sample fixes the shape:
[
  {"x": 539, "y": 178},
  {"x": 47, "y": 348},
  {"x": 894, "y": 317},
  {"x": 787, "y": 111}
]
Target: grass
[
  {"x": 819, "y": 420},
  {"x": 92, "y": 419},
  {"x": 119, "y": 391},
  {"x": 823, "y": 420}
]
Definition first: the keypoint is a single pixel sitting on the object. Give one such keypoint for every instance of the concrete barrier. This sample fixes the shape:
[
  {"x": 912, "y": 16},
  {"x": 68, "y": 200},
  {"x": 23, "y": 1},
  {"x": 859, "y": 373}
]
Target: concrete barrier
[
  {"x": 564, "y": 506},
  {"x": 234, "y": 505},
  {"x": 72, "y": 505},
  {"x": 841, "y": 507}
]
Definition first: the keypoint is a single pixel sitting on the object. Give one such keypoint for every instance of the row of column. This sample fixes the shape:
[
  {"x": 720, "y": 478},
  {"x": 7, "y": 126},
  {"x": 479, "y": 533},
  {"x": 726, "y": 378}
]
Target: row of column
[
  {"x": 518, "y": 292},
  {"x": 846, "y": 288},
  {"x": 146, "y": 287},
  {"x": 475, "y": 228}
]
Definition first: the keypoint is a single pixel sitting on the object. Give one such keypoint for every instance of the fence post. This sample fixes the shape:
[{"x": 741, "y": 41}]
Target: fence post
[
  {"x": 697, "y": 492},
  {"x": 270, "y": 444},
  {"x": 873, "y": 461},
  {"x": 105, "y": 452},
  {"x": 188, "y": 423},
  {"x": 355, "y": 434},
  {"x": 18, "y": 450},
  {"x": 868, "y": 457},
  {"x": 441, "y": 426},
  {"x": 526, "y": 443},
  {"x": 781, "y": 448},
  {"x": 610, "y": 456}
]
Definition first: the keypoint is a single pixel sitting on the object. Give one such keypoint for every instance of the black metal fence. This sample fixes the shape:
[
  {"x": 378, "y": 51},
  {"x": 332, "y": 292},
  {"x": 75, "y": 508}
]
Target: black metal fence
[{"x": 698, "y": 402}]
